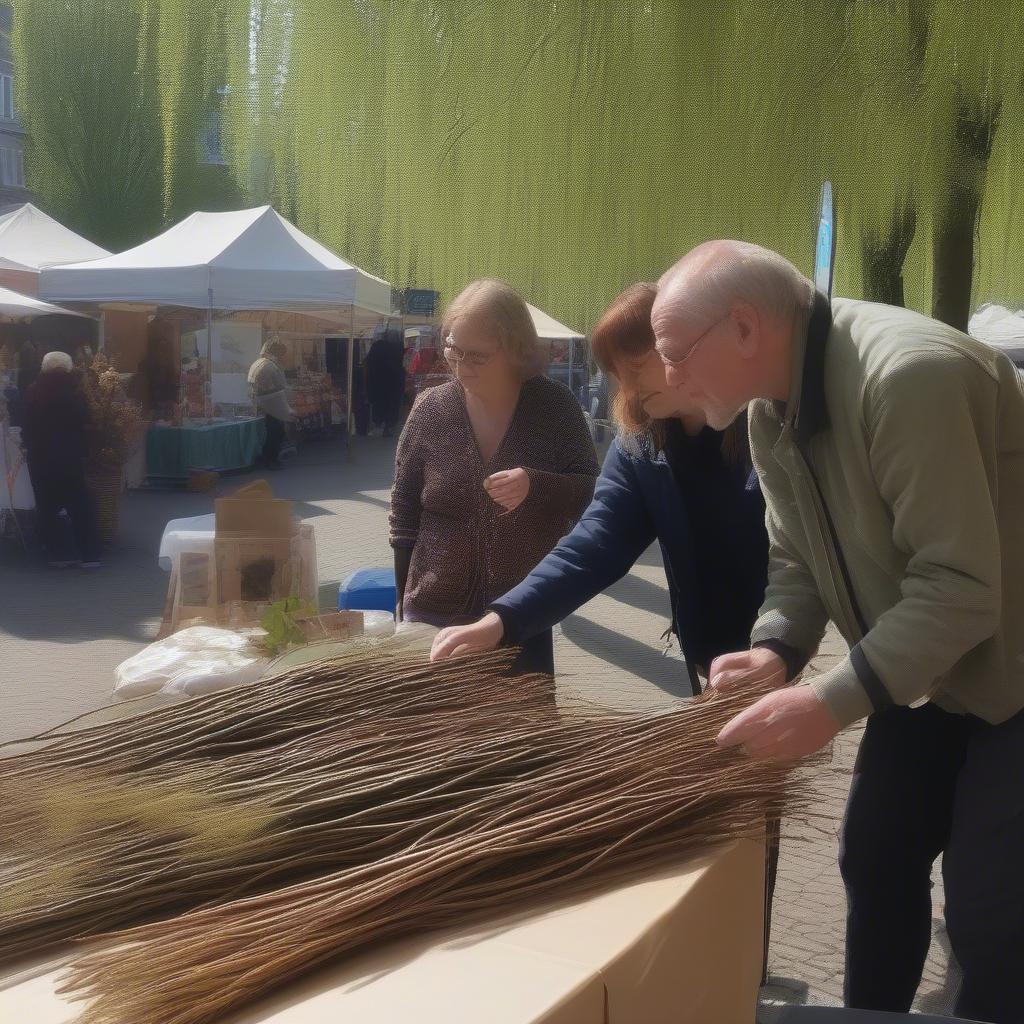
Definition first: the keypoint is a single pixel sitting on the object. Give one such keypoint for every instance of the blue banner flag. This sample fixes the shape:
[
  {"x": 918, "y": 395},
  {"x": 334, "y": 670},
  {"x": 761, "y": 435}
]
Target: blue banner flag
[{"x": 825, "y": 250}]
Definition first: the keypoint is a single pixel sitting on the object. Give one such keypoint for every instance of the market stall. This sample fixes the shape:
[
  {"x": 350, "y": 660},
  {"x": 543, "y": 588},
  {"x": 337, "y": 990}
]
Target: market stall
[
  {"x": 229, "y": 281},
  {"x": 31, "y": 240},
  {"x": 422, "y": 357},
  {"x": 567, "y": 349},
  {"x": 174, "y": 452}
]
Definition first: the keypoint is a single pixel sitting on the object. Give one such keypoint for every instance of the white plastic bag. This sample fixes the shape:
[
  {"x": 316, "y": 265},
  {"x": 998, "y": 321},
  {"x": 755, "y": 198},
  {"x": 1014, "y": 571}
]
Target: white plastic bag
[
  {"x": 196, "y": 660},
  {"x": 378, "y": 623}
]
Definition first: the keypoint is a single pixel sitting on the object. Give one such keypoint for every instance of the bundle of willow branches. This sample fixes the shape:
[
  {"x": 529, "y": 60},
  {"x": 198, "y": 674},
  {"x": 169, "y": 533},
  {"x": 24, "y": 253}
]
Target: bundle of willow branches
[
  {"x": 340, "y": 804},
  {"x": 233, "y": 794}
]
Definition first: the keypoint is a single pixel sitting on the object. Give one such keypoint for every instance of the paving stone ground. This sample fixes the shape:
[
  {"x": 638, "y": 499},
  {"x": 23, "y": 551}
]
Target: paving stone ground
[{"x": 63, "y": 632}]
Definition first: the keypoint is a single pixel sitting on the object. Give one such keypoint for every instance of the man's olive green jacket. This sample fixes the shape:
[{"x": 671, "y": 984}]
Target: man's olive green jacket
[{"x": 894, "y": 481}]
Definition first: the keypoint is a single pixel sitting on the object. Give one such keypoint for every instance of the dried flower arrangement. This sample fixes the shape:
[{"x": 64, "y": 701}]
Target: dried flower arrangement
[{"x": 117, "y": 422}]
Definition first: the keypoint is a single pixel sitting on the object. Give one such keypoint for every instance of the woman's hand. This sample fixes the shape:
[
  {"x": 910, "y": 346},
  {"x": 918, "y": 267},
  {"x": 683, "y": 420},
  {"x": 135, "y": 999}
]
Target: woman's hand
[
  {"x": 731, "y": 672},
  {"x": 509, "y": 489},
  {"x": 454, "y": 641}
]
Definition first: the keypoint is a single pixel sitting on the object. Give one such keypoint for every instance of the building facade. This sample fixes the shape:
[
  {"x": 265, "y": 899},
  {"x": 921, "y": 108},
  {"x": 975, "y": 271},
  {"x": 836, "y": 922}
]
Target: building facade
[{"x": 12, "y": 134}]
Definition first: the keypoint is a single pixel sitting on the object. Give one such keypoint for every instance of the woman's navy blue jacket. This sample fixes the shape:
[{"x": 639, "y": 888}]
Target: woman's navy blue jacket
[{"x": 639, "y": 499}]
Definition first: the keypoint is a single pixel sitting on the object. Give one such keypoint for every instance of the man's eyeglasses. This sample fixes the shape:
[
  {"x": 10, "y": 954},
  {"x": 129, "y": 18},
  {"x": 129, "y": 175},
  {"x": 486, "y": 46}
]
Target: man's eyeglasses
[
  {"x": 456, "y": 355},
  {"x": 676, "y": 363}
]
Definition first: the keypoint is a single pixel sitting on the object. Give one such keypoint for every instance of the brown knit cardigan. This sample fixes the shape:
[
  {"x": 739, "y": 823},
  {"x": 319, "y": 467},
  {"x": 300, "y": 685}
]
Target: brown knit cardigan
[{"x": 467, "y": 550}]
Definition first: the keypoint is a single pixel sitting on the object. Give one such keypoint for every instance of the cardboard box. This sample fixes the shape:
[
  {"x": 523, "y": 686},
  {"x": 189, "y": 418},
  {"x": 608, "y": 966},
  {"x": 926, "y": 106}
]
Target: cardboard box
[
  {"x": 260, "y": 554},
  {"x": 683, "y": 946},
  {"x": 253, "y": 511}
]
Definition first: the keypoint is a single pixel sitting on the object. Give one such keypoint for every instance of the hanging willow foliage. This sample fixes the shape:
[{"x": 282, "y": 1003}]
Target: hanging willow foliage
[
  {"x": 88, "y": 95},
  {"x": 573, "y": 148},
  {"x": 343, "y": 803}
]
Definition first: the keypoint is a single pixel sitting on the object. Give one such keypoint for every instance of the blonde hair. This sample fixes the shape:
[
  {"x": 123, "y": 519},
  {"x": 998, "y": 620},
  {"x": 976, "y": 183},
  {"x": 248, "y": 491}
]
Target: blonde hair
[
  {"x": 57, "y": 362},
  {"x": 506, "y": 311},
  {"x": 707, "y": 281}
]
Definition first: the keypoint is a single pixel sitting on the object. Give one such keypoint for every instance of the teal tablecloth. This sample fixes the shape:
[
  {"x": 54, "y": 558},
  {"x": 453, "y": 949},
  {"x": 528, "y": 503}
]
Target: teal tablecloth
[{"x": 173, "y": 451}]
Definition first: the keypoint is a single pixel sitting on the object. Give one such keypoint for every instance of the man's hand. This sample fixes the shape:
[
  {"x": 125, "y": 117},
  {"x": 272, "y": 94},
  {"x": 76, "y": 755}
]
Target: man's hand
[
  {"x": 454, "y": 641},
  {"x": 782, "y": 726},
  {"x": 731, "y": 672},
  {"x": 509, "y": 489}
]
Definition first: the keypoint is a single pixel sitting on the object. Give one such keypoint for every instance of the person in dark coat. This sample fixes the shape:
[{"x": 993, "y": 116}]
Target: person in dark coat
[
  {"x": 55, "y": 436},
  {"x": 385, "y": 380}
]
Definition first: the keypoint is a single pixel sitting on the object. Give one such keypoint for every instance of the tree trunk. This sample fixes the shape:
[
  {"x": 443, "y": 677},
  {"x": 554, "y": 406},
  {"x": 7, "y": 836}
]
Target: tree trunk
[
  {"x": 883, "y": 258},
  {"x": 957, "y": 218}
]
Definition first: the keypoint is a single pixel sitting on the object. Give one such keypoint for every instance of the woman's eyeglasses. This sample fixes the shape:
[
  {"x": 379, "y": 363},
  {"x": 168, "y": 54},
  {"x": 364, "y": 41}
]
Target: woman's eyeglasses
[{"x": 456, "y": 355}]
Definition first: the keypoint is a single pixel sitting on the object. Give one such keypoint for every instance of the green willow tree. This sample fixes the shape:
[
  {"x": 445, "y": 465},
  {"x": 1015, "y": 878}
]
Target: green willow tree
[
  {"x": 192, "y": 92},
  {"x": 974, "y": 78},
  {"x": 88, "y": 95},
  {"x": 575, "y": 147}
]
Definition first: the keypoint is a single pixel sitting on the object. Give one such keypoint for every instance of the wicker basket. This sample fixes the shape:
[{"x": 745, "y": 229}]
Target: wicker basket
[{"x": 106, "y": 485}]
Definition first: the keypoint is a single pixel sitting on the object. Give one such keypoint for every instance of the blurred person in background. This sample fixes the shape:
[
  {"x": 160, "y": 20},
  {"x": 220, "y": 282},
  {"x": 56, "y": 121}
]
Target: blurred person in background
[{"x": 56, "y": 437}]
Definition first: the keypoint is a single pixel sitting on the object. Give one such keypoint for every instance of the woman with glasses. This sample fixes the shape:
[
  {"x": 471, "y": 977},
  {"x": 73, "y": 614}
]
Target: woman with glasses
[{"x": 492, "y": 469}]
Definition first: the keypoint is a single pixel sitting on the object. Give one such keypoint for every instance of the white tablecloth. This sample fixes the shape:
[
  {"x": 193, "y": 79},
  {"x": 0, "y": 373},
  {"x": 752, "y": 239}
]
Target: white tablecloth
[{"x": 194, "y": 534}]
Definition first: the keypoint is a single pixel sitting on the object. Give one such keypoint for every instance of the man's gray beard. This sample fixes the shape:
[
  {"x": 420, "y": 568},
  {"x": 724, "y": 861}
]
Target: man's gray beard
[{"x": 717, "y": 419}]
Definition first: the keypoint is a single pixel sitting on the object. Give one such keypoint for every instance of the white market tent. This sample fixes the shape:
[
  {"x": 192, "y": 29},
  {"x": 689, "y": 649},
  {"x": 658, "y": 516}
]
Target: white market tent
[
  {"x": 15, "y": 306},
  {"x": 549, "y": 329},
  {"x": 1001, "y": 328},
  {"x": 243, "y": 261},
  {"x": 240, "y": 260},
  {"x": 31, "y": 240}
]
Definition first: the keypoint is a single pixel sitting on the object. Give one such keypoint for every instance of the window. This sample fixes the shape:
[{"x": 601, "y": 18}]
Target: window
[
  {"x": 12, "y": 168},
  {"x": 7, "y": 97}
]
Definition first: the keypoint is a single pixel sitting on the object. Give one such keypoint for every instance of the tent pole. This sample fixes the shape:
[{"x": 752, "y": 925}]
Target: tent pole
[{"x": 209, "y": 345}]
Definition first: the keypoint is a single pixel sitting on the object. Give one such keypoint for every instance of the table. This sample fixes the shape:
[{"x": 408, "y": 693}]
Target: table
[
  {"x": 193, "y": 534},
  {"x": 682, "y": 946},
  {"x": 174, "y": 451}
]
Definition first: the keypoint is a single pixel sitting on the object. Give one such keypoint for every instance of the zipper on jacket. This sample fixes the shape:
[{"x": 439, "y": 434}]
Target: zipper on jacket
[{"x": 840, "y": 559}]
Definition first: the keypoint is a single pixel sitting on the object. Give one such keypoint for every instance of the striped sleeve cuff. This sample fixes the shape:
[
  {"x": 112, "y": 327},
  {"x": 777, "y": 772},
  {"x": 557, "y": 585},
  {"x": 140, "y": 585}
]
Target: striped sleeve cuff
[
  {"x": 796, "y": 660},
  {"x": 852, "y": 690}
]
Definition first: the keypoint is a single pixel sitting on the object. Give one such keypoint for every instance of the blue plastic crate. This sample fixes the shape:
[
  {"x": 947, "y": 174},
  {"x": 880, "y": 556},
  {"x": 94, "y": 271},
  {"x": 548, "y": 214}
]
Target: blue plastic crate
[{"x": 368, "y": 590}]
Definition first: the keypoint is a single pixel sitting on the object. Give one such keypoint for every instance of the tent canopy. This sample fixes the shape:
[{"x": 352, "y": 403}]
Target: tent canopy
[
  {"x": 240, "y": 260},
  {"x": 549, "y": 329},
  {"x": 31, "y": 240},
  {"x": 14, "y": 305},
  {"x": 1001, "y": 328}
]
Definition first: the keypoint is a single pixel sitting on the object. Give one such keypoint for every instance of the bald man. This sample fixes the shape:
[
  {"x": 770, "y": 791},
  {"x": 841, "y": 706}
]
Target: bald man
[{"x": 890, "y": 450}]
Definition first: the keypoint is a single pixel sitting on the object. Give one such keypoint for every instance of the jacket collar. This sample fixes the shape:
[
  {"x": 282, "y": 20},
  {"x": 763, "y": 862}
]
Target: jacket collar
[{"x": 806, "y": 410}]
